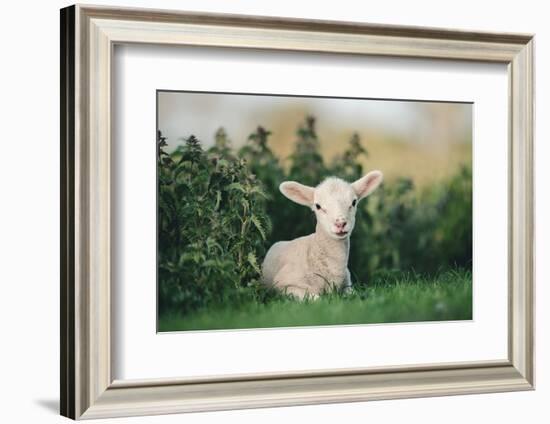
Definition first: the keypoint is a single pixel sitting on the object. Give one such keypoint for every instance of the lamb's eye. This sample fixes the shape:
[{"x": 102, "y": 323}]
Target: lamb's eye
[
  {"x": 318, "y": 206},
  {"x": 354, "y": 202}
]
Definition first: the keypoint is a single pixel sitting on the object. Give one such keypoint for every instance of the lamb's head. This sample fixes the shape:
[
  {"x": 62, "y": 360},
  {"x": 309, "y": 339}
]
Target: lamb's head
[{"x": 334, "y": 201}]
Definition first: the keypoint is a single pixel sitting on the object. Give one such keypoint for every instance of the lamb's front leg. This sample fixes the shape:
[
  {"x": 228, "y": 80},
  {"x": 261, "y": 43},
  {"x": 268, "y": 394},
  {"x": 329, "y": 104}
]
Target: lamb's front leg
[
  {"x": 287, "y": 281},
  {"x": 299, "y": 292},
  {"x": 346, "y": 287}
]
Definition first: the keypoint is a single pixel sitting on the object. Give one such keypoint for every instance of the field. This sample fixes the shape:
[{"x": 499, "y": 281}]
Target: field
[{"x": 409, "y": 298}]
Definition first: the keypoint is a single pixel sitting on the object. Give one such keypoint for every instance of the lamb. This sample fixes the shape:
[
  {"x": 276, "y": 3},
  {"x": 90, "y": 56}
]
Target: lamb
[{"x": 306, "y": 266}]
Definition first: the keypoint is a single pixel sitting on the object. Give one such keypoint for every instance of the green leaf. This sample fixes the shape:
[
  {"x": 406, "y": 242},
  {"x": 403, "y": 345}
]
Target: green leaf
[
  {"x": 258, "y": 224},
  {"x": 258, "y": 190},
  {"x": 252, "y": 260},
  {"x": 236, "y": 186},
  {"x": 246, "y": 206}
]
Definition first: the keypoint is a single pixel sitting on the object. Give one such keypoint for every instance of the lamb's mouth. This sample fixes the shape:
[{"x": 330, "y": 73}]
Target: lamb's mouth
[{"x": 341, "y": 233}]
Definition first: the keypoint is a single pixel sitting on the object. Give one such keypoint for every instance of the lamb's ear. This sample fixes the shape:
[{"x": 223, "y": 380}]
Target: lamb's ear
[
  {"x": 297, "y": 192},
  {"x": 367, "y": 184}
]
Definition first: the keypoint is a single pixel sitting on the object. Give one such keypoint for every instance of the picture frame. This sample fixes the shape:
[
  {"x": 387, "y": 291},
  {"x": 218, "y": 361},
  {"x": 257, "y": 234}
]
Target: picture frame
[{"x": 88, "y": 389}]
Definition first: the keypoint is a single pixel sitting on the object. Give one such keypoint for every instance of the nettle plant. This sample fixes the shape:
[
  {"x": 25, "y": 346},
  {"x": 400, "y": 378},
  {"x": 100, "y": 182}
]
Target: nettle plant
[{"x": 212, "y": 226}]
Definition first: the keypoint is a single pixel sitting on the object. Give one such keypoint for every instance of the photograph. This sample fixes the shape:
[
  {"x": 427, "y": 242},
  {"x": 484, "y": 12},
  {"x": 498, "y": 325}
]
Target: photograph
[{"x": 279, "y": 211}]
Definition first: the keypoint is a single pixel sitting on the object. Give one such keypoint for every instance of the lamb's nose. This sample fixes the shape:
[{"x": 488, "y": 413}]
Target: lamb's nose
[{"x": 340, "y": 223}]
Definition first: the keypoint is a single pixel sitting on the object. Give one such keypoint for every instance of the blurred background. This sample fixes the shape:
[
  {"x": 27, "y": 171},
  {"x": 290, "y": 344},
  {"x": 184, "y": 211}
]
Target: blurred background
[{"x": 425, "y": 141}]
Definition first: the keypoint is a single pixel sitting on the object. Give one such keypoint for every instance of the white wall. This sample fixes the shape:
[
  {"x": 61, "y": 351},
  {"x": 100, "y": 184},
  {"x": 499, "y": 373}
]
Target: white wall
[{"x": 29, "y": 224}]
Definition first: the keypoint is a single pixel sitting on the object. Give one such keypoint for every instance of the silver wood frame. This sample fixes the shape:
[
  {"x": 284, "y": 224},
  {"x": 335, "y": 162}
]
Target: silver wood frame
[{"x": 88, "y": 389}]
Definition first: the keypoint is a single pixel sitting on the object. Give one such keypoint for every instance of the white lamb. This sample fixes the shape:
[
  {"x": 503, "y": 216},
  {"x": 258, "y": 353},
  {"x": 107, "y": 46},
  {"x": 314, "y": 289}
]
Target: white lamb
[{"x": 308, "y": 265}]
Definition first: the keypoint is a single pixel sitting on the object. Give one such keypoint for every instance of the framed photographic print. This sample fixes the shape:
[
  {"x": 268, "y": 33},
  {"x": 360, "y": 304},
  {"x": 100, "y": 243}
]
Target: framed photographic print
[{"x": 265, "y": 212}]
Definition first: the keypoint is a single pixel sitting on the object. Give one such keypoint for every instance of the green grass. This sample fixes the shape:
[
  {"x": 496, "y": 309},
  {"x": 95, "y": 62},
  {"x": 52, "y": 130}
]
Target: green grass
[{"x": 389, "y": 299}]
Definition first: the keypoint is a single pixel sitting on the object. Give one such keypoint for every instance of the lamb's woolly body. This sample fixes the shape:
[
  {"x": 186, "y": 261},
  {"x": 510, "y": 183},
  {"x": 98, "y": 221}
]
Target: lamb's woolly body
[
  {"x": 307, "y": 265},
  {"x": 311, "y": 264}
]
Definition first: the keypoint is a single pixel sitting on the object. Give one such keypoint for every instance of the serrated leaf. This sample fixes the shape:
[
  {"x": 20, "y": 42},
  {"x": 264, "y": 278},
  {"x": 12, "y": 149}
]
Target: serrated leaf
[
  {"x": 252, "y": 260},
  {"x": 246, "y": 206},
  {"x": 258, "y": 224},
  {"x": 236, "y": 186},
  {"x": 258, "y": 190}
]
